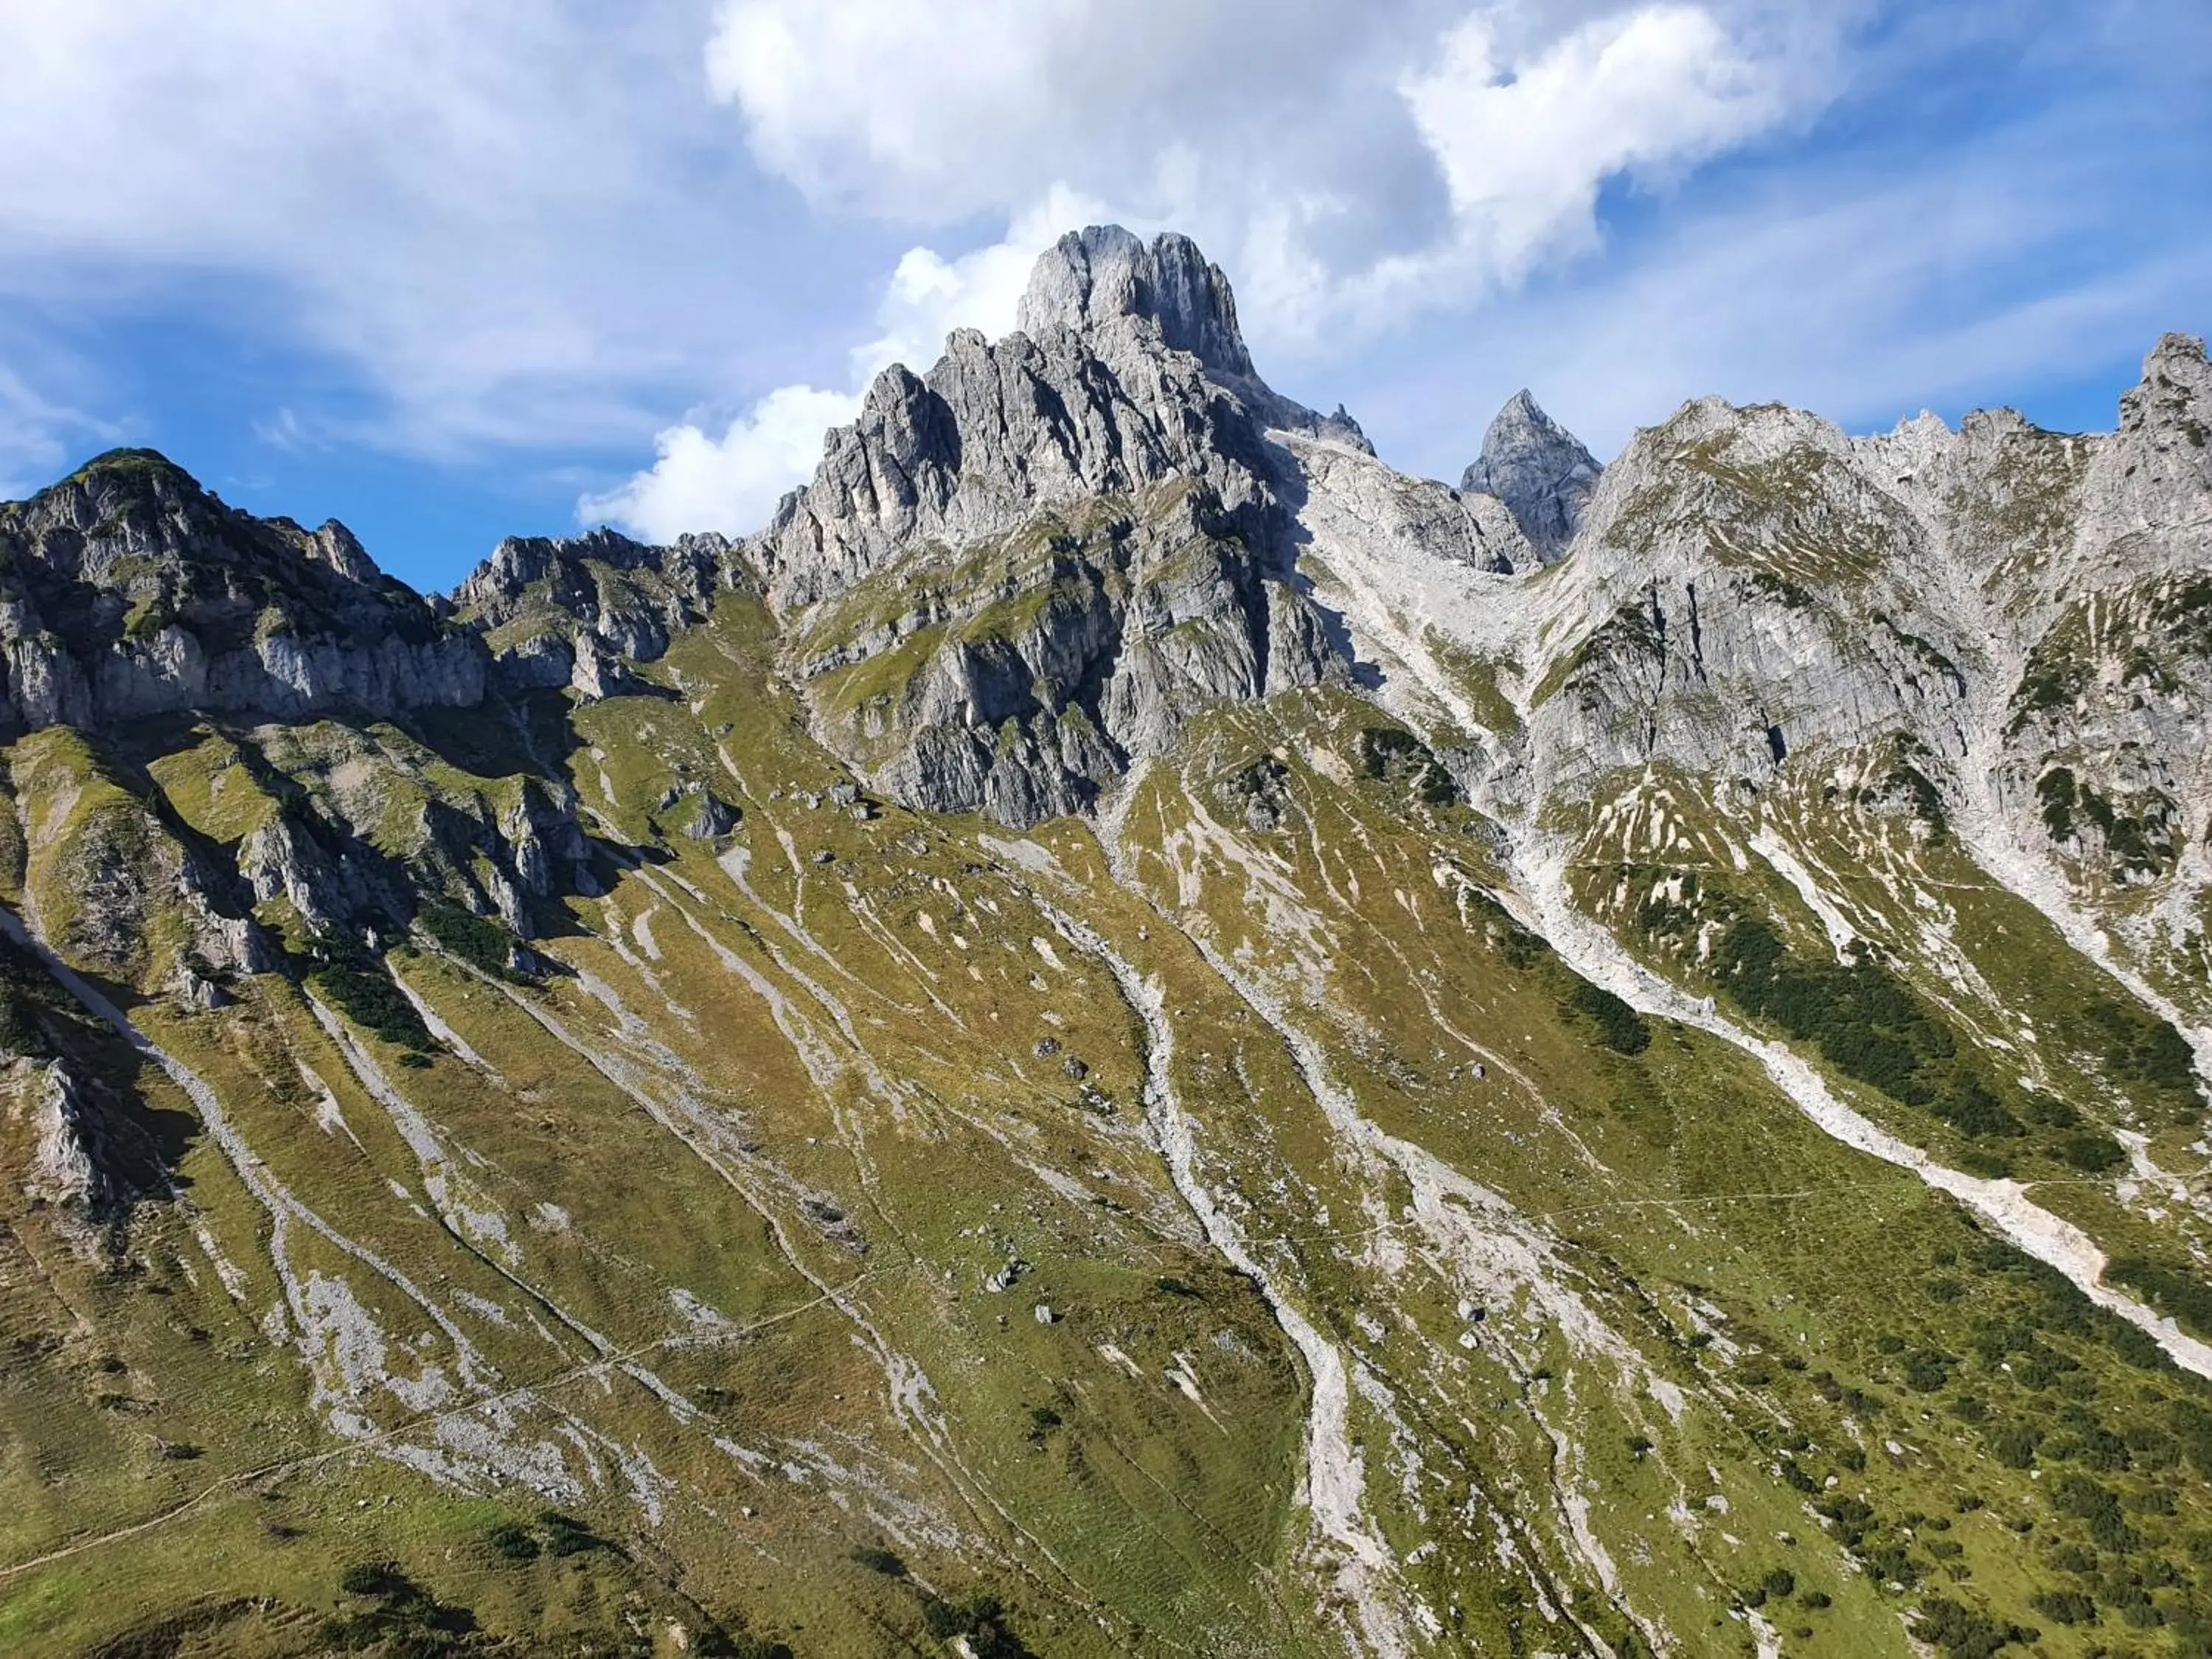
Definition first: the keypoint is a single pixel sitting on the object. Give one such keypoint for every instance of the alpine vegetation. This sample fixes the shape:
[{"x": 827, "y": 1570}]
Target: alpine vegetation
[{"x": 1128, "y": 1032}]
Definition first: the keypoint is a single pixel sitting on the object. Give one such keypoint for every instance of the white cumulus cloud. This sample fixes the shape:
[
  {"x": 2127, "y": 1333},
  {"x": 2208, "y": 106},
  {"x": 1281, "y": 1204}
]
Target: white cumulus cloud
[
  {"x": 728, "y": 484},
  {"x": 1331, "y": 156},
  {"x": 1346, "y": 163},
  {"x": 1525, "y": 147}
]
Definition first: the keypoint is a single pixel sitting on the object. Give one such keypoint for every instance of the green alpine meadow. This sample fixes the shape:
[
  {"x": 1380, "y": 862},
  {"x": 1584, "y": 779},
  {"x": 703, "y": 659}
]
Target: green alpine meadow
[{"x": 1127, "y": 1033}]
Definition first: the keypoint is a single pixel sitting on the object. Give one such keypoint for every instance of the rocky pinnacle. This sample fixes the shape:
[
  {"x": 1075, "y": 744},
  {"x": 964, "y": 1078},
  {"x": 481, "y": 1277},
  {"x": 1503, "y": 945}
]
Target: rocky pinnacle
[{"x": 1538, "y": 469}]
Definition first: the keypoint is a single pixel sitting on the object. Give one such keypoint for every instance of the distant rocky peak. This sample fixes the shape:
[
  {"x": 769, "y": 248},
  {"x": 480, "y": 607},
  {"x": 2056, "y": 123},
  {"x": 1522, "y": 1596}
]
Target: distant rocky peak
[
  {"x": 137, "y": 504},
  {"x": 127, "y": 591},
  {"x": 1541, "y": 471},
  {"x": 2176, "y": 389},
  {"x": 1091, "y": 277},
  {"x": 519, "y": 561},
  {"x": 129, "y": 471},
  {"x": 336, "y": 547}
]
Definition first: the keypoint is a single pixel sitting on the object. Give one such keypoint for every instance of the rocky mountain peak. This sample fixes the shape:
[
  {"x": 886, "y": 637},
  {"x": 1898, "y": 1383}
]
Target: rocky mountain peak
[
  {"x": 562, "y": 611},
  {"x": 2152, "y": 483},
  {"x": 128, "y": 590},
  {"x": 1540, "y": 470},
  {"x": 519, "y": 561},
  {"x": 1092, "y": 277},
  {"x": 128, "y": 509},
  {"x": 2175, "y": 389},
  {"x": 1095, "y": 282}
]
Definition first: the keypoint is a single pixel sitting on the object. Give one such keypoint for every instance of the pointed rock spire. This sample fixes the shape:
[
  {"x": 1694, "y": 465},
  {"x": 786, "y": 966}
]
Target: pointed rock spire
[
  {"x": 2175, "y": 390},
  {"x": 1090, "y": 277},
  {"x": 1541, "y": 471}
]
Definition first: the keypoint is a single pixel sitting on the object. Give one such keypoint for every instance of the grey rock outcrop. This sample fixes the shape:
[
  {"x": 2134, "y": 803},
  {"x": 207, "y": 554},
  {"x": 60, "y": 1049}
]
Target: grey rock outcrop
[
  {"x": 996, "y": 432},
  {"x": 1093, "y": 278},
  {"x": 1740, "y": 590},
  {"x": 1127, "y": 373},
  {"x": 128, "y": 592},
  {"x": 1127, "y": 529},
  {"x": 565, "y": 612},
  {"x": 1541, "y": 471},
  {"x": 1090, "y": 280},
  {"x": 1030, "y": 697},
  {"x": 69, "y": 1173}
]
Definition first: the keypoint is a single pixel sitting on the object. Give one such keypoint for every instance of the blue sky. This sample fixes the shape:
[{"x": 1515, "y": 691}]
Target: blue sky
[{"x": 451, "y": 272}]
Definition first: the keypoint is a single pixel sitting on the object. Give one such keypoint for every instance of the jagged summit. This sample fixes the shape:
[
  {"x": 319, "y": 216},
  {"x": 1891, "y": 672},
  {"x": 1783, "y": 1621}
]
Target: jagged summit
[
  {"x": 1091, "y": 276},
  {"x": 2176, "y": 386},
  {"x": 128, "y": 590},
  {"x": 1538, "y": 469},
  {"x": 1128, "y": 371},
  {"x": 1092, "y": 279},
  {"x": 564, "y": 610},
  {"x": 1116, "y": 458},
  {"x": 128, "y": 489}
]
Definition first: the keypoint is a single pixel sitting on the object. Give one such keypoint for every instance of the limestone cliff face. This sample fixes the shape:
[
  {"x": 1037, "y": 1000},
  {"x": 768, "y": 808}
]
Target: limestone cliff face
[
  {"x": 1740, "y": 591},
  {"x": 1101, "y": 521},
  {"x": 126, "y": 590},
  {"x": 1997, "y": 628},
  {"x": 135, "y": 604},
  {"x": 73, "y": 1171},
  {"x": 567, "y": 611},
  {"x": 1023, "y": 676}
]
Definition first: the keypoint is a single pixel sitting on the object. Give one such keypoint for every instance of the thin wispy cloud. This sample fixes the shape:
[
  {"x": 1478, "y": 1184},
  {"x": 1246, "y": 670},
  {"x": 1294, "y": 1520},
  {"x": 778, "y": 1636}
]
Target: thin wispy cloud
[{"x": 502, "y": 219}]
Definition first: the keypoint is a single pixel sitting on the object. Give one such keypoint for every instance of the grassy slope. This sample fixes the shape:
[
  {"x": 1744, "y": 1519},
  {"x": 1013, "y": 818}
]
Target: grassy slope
[{"x": 789, "y": 1067}]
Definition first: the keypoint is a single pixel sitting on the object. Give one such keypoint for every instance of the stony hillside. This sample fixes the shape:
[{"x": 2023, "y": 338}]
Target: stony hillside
[{"x": 1127, "y": 1033}]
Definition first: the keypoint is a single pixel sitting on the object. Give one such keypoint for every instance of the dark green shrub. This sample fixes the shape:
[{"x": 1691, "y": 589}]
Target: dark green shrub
[
  {"x": 477, "y": 940},
  {"x": 1387, "y": 751},
  {"x": 1926, "y": 1372},
  {"x": 1864, "y": 1021},
  {"x": 2065, "y": 1607},
  {"x": 19, "y": 1031},
  {"x": 2188, "y": 1299},
  {"x": 2094, "y": 1154},
  {"x": 366, "y": 996},
  {"x": 565, "y": 1535},
  {"x": 2141, "y": 1047},
  {"x": 1962, "y": 1633},
  {"x": 1620, "y": 1028},
  {"x": 2051, "y": 1112},
  {"x": 373, "y": 1578}
]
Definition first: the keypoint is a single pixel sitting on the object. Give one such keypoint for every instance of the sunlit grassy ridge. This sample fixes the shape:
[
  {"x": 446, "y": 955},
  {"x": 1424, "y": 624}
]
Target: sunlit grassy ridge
[{"x": 723, "y": 1228}]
